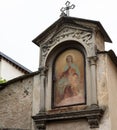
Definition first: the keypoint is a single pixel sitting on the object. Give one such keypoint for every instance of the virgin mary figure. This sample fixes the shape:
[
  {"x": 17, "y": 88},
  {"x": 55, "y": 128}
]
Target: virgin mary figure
[{"x": 68, "y": 82}]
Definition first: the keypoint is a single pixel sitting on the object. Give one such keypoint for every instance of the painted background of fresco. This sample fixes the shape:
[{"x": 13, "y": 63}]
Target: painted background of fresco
[{"x": 64, "y": 93}]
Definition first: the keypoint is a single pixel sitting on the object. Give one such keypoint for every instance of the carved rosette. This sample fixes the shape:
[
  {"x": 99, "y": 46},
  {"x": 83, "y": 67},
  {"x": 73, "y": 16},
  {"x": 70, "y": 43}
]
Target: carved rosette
[{"x": 83, "y": 36}]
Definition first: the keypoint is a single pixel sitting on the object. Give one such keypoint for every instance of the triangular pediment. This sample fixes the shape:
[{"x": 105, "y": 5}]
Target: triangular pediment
[
  {"x": 71, "y": 24},
  {"x": 80, "y": 32}
]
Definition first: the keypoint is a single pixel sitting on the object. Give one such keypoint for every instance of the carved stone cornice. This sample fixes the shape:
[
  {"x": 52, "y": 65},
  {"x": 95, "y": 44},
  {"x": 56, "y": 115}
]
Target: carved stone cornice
[
  {"x": 92, "y": 114},
  {"x": 83, "y": 36},
  {"x": 80, "y": 34}
]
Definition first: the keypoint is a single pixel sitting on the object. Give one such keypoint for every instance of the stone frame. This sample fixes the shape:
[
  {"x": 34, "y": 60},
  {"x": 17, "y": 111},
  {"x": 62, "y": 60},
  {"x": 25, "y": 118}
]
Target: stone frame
[{"x": 69, "y": 46}]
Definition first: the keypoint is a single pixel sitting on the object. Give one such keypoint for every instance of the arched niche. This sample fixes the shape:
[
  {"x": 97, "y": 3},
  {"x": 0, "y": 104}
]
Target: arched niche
[{"x": 58, "y": 75}]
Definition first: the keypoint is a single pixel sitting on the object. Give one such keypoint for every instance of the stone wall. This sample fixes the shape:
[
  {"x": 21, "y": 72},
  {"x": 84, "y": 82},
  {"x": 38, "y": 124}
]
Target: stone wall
[{"x": 16, "y": 104}]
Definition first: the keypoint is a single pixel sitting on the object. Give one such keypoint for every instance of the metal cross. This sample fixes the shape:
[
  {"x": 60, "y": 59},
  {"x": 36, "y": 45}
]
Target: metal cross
[{"x": 67, "y": 8}]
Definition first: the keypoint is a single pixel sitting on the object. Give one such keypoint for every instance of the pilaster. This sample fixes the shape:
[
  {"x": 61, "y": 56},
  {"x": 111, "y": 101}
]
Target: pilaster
[{"x": 92, "y": 61}]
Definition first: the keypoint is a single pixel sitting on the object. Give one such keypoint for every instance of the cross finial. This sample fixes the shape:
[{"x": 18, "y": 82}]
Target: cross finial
[{"x": 67, "y": 8}]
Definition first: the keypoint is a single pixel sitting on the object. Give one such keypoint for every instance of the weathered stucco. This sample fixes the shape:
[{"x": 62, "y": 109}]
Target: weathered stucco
[
  {"x": 99, "y": 41},
  {"x": 35, "y": 98},
  {"x": 69, "y": 125},
  {"x": 102, "y": 88},
  {"x": 112, "y": 91}
]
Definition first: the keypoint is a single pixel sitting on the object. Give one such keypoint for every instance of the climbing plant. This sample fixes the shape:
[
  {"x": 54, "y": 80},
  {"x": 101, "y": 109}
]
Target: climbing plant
[{"x": 2, "y": 80}]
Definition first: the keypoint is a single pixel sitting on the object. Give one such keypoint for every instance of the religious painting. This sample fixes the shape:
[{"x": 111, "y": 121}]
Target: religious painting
[{"x": 68, "y": 83}]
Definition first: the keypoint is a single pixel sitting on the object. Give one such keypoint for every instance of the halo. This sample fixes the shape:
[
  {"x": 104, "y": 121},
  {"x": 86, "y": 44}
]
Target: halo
[{"x": 70, "y": 54}]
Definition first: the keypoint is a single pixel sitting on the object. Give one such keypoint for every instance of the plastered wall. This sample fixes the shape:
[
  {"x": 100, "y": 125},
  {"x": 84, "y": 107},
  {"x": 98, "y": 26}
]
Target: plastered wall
[{"x": 112, "y": 92}]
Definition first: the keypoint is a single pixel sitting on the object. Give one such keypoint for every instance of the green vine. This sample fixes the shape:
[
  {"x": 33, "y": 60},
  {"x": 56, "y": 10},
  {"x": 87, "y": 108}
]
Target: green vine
[{"x": 2, "y": 80}]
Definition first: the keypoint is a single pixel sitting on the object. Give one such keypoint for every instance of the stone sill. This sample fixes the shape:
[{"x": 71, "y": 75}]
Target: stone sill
[{"x": 92, "y": 114}]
